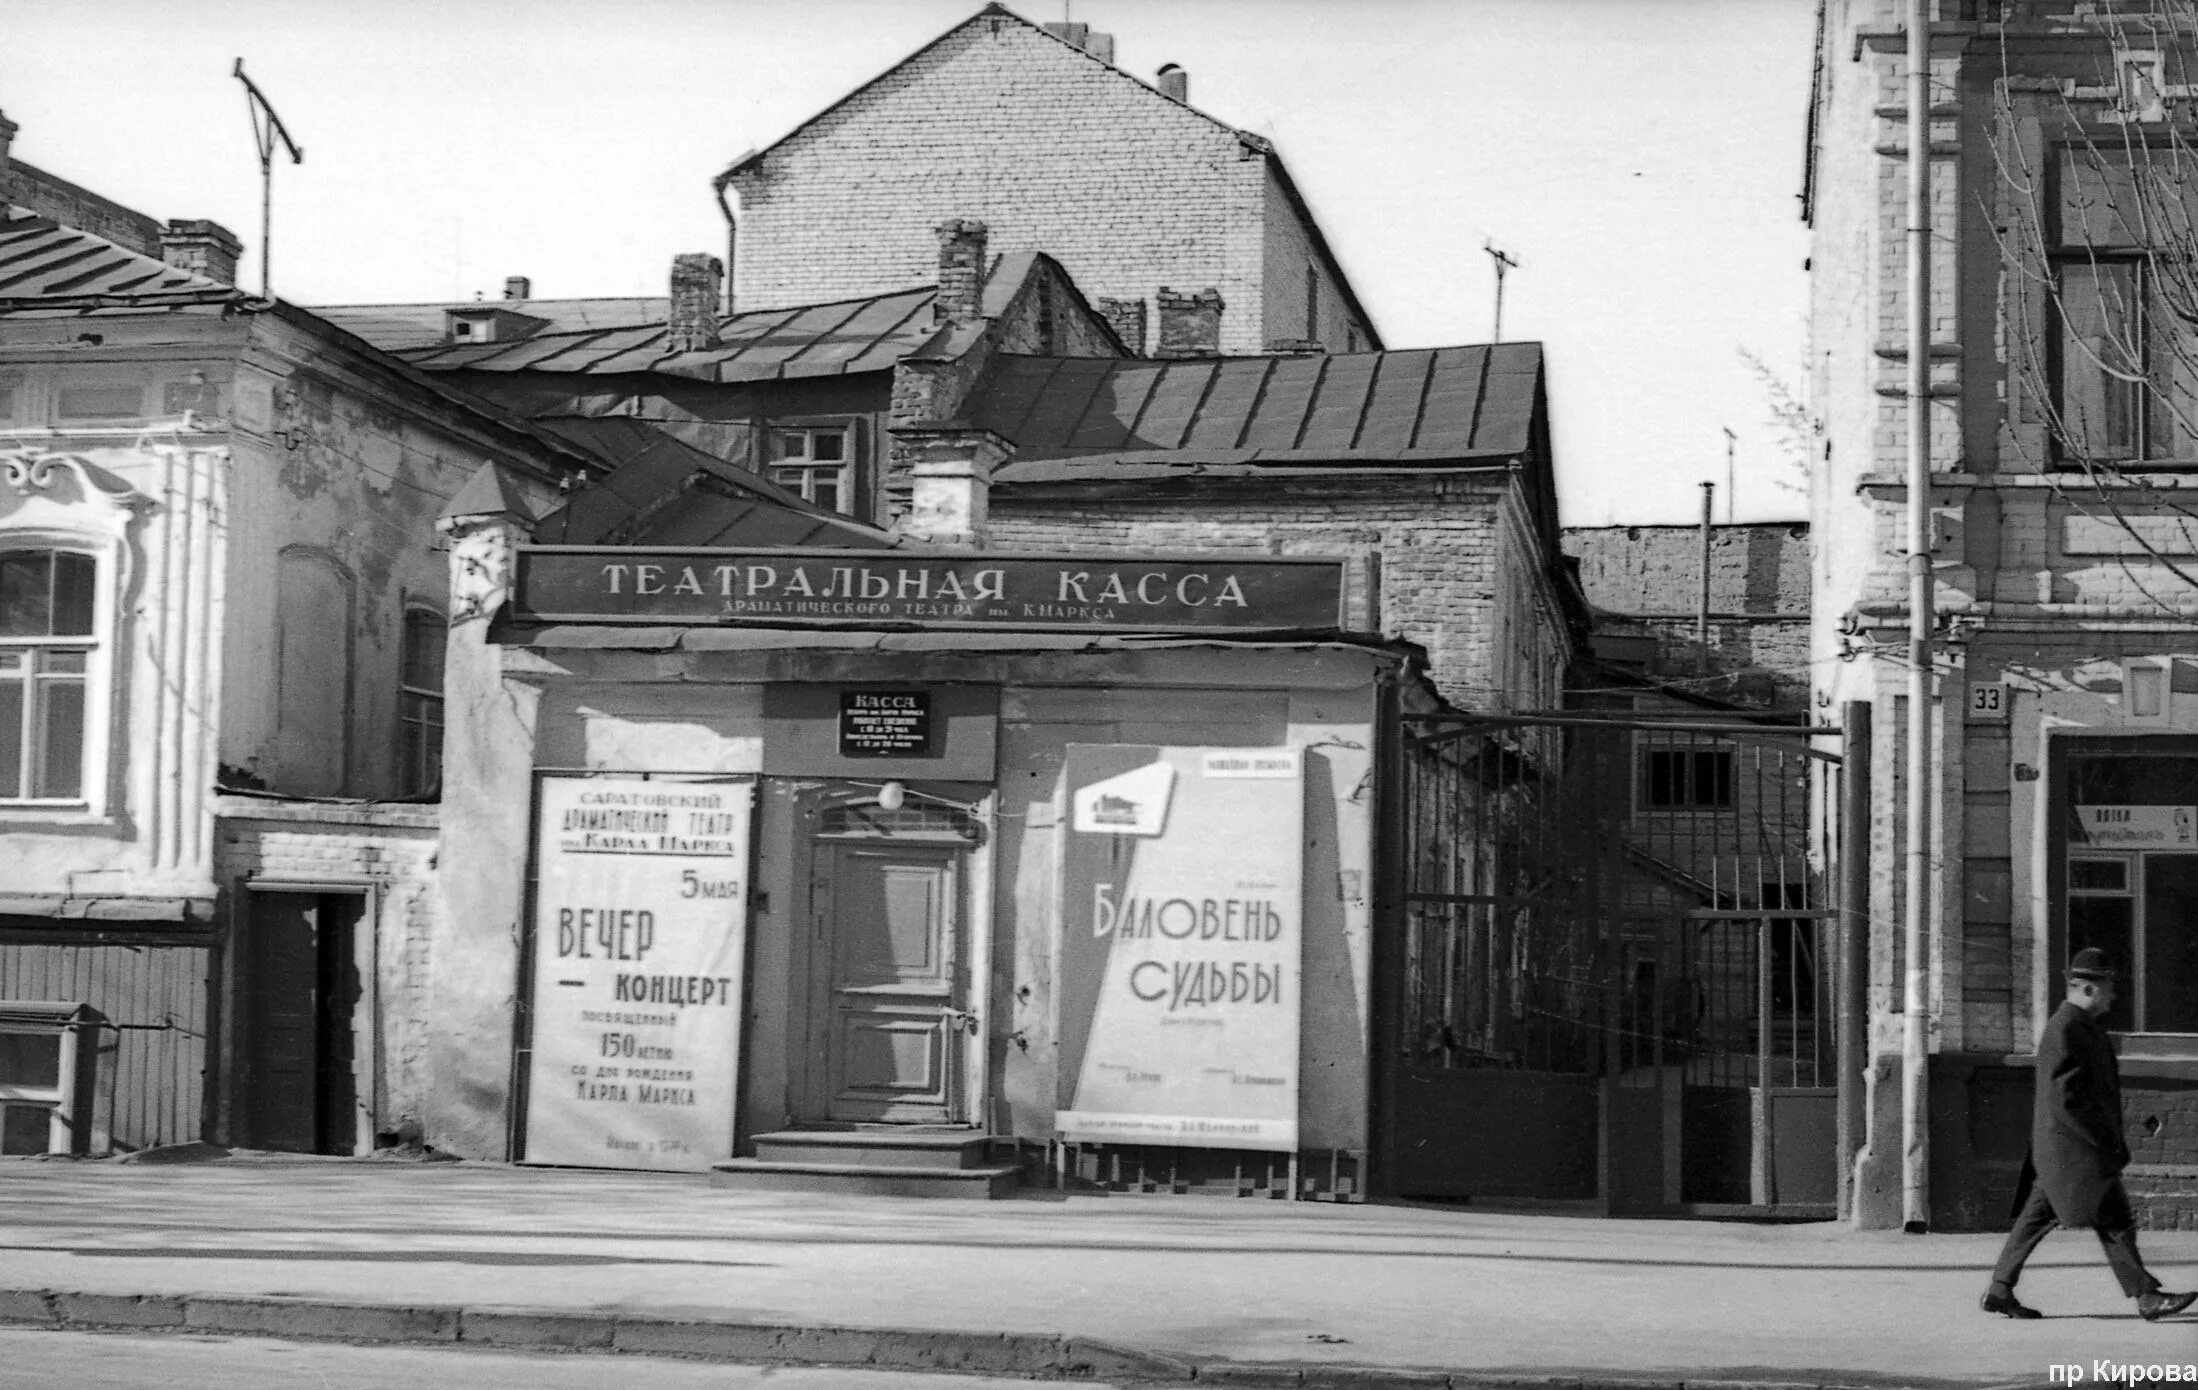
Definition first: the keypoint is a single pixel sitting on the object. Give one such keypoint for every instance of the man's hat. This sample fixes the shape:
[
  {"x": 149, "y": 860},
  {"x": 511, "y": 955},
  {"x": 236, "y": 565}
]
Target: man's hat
[{"x": 2091, "y": 963}]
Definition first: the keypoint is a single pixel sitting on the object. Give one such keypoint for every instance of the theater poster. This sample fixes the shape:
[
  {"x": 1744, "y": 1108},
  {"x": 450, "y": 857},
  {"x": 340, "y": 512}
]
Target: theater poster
[
  {"x": 1181, "y": 946},
  {"x": 640, "y": 929}
]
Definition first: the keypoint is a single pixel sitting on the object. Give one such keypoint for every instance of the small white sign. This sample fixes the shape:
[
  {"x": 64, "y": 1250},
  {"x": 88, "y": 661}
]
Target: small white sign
[
  {"x": 2139, "y": 827},
  {"x": 1250, "y": 762}
]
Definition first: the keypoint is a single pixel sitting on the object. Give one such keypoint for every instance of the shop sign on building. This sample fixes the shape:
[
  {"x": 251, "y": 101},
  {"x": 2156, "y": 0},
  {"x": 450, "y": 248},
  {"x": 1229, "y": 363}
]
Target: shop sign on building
[
  {"x": 1181, "y": 946},
  {"x": 625, "y": 584},
  {"x": 2139, "y": 827},
  {"x": 640, "y": 927}
]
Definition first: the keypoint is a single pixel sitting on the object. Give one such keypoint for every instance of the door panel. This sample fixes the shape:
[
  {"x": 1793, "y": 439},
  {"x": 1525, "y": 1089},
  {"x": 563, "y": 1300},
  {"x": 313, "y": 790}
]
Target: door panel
[
  {"x": 280, "y": 1034},
  {"x": 892, "y": 915},
  {"x": 300, "y": 990}
]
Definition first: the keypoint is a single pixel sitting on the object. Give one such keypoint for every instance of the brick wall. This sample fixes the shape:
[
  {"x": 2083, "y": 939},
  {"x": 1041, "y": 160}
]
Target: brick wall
[
  {"x": 1456, "y": 562},
  {"x": 389, "y": 847},
  {"x": 1053, "y": 149}
]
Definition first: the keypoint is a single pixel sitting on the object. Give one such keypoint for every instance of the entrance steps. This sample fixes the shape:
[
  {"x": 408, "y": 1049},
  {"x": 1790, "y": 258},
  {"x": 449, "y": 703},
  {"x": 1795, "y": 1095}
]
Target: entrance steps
[{"x": 885, "y": 1161}]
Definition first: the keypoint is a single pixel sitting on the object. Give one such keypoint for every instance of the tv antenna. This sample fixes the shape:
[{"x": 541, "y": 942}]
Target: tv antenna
[
  {"x": 1505, "y": 261},
  {"x": 1732, "y": 490},
  {"x": 266, "y": 129}
]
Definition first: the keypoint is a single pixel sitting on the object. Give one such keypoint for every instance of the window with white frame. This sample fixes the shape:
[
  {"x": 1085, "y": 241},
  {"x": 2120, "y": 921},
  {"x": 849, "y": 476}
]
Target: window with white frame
[
  {"x": 420, "y": 700},
  {"x": 48, "y": 641},
  {"x": 817, "y": 463}
]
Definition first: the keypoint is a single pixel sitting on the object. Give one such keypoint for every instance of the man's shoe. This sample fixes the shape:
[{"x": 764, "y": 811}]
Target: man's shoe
[
  {"x": 2161, "y": 1304},
  {"x": 2006, "y": 1306}
]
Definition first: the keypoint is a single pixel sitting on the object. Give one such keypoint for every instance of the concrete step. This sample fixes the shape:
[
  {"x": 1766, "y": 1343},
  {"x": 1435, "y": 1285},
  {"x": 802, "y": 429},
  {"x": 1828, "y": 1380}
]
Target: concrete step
[
  {"x": 868, "y": 1179},
  {"x": 877, "y": 1148}
]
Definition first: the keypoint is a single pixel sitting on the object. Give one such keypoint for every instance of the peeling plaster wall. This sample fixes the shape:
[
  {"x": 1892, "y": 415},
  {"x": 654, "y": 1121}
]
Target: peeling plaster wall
[{"x": 338, "y": 487}]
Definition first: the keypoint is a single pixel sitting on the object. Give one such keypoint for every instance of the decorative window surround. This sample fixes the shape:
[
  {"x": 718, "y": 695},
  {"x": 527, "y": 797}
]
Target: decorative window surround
[{"x": 62, "y": 503}]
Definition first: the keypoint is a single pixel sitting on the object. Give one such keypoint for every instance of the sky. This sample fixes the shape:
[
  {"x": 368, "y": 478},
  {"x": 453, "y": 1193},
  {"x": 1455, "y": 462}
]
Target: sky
[{"x": 1639, "y": 159}]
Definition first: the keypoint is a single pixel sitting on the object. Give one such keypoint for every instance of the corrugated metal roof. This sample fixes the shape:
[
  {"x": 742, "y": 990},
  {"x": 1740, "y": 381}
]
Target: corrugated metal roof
[
  {"x": 395, "y": 327},
  {"x": 852, "y": 335},
  {"x": 1426, "y": 405},
  {"x": 44, "y": 264}
]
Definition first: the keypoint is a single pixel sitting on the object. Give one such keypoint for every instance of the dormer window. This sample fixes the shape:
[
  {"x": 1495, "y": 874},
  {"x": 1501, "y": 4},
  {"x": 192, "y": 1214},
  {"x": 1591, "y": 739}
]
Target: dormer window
[
  {"x": 489, "y": 323},
  {"x": 817, "y": 464}
]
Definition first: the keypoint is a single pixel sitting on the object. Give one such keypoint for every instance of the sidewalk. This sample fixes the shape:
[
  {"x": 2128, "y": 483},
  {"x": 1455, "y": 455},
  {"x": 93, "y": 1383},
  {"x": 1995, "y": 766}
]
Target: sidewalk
[{"x": 1123, "y": 1288}]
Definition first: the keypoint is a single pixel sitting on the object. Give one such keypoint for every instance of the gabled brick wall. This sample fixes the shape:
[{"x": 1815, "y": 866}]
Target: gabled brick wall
[{"x": 1056, "y": 151}]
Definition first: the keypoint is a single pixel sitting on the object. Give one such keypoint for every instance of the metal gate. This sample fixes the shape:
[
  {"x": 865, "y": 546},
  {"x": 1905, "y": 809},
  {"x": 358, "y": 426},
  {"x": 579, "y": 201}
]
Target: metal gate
[{"x": 1616, "y": 964}]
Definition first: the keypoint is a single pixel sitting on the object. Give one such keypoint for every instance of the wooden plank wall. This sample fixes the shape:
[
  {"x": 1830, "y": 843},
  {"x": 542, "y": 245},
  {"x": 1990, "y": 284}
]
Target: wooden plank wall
[{"x": 157, "y": 997}]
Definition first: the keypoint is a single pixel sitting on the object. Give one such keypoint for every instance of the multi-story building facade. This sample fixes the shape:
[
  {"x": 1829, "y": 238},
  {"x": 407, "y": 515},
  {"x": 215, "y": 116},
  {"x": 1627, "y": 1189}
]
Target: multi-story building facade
[
  {"x": 1147, "y": 200},
  {"x": 221, "y": 614},
  {"x": 2061, "y": 718}
]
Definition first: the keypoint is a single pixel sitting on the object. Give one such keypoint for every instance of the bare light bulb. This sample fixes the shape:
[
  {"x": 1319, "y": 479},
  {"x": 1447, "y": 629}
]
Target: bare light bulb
[{"x": 891, "y": 796}]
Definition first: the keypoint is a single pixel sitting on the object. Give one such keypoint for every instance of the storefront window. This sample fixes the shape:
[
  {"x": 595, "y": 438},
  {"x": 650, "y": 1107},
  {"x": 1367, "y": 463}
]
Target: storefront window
[{"x": 2131, "y": 885}]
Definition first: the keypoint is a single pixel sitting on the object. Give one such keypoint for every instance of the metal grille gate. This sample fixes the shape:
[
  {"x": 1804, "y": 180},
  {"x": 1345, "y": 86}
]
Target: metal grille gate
[{"x": 1616, "y": 966}]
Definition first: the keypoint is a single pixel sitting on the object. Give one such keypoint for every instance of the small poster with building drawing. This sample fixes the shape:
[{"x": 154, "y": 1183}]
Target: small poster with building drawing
[
  {"x": 1181, "y": 946},
  {"x": 640, "y": 924}
]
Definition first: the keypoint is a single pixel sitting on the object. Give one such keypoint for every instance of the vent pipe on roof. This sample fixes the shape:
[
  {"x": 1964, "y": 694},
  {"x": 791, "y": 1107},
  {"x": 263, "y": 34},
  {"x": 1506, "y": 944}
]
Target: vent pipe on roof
[
  {"x": 517, "y": 287},
  {"x": 961, "y": 271},
  {"x": 691, "y": 322},
  {"x": 1176, "y": 83}
]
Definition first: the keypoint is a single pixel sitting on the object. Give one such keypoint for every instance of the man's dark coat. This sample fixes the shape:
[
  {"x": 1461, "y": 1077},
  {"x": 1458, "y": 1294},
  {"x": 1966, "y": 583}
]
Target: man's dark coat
[{"x": 2077, "y": 1152}]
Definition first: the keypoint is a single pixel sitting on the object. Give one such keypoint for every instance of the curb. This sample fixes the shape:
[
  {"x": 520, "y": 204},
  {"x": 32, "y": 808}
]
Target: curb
[{"x": 1034, "y": 1355}]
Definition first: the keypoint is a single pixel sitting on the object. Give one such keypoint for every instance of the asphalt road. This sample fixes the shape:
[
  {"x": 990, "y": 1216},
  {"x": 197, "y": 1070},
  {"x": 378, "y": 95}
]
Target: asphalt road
[{"x": 115, "y": 1361}]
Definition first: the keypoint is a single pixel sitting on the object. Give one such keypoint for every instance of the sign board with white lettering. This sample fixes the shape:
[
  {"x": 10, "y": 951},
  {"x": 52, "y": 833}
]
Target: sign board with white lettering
[
  {"x": 640, "y": 930},
  {"x": 863, "y": 588},
  {"x": 2139, "y": 827},
  {"x": 1181, "y": 946},
  {"x": 885, "y": 723}
]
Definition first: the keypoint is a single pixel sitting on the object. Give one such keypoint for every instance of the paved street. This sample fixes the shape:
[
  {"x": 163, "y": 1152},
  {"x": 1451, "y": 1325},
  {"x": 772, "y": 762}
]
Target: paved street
[{"x": 1190, "y": 1278}]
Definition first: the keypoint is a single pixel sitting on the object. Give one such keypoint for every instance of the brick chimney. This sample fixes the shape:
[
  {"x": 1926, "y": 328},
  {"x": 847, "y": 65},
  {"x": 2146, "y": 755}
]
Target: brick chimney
[
  {"x": 961, "y": 272},
  {"x": 7, "y": 138},
  {"x": 1100, "y": 46},
  {"x": 1175, "y": 83},
  {"x": 691, "y": 323},
  {"x": 203, "y": 248},
  {"x": 1190, "y": 324},
  {"x": 517, "y": 287},
  {"x": 1127, "y": 318}
]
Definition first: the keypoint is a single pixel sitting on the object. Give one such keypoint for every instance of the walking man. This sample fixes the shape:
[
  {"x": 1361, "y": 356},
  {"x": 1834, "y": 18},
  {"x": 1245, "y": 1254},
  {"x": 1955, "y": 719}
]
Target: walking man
[{"x": 2073, "y": 1176}]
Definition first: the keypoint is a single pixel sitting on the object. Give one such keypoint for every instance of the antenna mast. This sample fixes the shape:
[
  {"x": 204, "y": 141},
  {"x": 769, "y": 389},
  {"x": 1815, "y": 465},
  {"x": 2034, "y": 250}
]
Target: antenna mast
[
  {"x": 1732, "y": 489},
  {"x": 266, "y": 128},
  {"x": 1504, "y": 261}
]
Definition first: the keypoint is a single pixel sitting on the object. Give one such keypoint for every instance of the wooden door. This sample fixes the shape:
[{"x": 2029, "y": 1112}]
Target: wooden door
[
  {"x": 278, "y": 1040},
  {"x": 299, "y": 993},
  {"x": 890, "y": 917}
]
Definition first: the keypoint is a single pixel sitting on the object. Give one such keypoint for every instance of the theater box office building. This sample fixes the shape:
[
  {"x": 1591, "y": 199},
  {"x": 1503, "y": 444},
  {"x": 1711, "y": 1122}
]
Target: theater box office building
[{"x": 989, "y": 851}]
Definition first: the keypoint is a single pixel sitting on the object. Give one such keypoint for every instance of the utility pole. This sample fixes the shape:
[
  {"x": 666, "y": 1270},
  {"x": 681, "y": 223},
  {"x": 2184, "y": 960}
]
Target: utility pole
[
  {"x": 1504, "y": 262},
  {"x": 1915, "y": 1133},
  {"x": 1732, "y": 487},
  {"x": 266, "y": 126}
]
